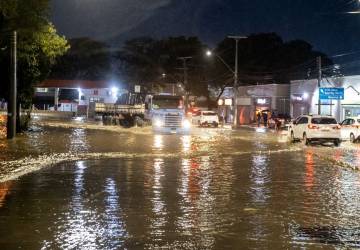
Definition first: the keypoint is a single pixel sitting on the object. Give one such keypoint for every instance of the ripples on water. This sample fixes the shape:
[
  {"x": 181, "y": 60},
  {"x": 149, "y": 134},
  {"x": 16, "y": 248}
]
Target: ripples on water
[{"x": 209, "y": 192}]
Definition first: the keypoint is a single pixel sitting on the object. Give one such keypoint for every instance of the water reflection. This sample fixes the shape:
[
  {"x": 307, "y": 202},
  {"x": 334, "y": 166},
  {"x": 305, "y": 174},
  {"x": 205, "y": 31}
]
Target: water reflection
[
  {"x": 78, "y": 140},
  {"x": 114, "y": 225},
  {"x": 186, "y": 143},
  {"x": 259, "y": 177},
  {"x": 158, "y": 204},
  {"x": 158, "y": 142},
  {"x": 309, "y": 172},
  {"x": 5, "y": 188}
]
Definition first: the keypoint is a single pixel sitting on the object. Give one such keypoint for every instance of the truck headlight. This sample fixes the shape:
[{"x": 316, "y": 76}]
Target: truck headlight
[
  {"x": 186, "y": 124},
  {"x": 157, "y": 123}
]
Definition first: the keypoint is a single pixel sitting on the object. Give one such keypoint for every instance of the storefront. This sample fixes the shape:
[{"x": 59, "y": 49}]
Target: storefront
[
  {"x": 305, "y": 97},
  {"x": 270, "y": 98}
]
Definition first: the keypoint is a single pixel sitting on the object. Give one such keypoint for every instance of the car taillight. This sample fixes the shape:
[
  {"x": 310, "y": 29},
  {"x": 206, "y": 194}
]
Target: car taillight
[
  {"x": 337, "y": 127},
  {"x": 312, "y": 126}
]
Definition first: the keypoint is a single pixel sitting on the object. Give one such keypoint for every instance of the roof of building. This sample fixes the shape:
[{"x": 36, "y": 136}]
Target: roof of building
[{"x": 73, "y": 84}]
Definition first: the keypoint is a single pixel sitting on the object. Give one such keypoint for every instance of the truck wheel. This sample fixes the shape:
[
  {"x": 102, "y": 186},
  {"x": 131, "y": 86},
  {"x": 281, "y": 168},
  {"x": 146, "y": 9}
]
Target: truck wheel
[{"x": 138, "y": 121}]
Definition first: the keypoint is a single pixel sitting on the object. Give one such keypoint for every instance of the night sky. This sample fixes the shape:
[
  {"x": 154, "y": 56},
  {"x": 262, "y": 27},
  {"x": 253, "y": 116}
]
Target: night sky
[{"x": 323, "y": 23}]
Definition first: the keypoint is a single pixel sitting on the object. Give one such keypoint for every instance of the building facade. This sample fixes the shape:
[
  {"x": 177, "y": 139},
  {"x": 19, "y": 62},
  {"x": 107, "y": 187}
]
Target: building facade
[
  {"x": 305, "y": 97},
  {"x": 74, "y": 95},
  {"x": 272, "y": 98}
]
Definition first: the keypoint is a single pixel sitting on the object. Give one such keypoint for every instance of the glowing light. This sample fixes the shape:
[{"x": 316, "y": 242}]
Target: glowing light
[
  {"x": 114, "y": 91},
  {"x": 157, "y": 123},
  {"x": 261, "y": 101},
  {"x": 186, "y": 124},
  {"x": 221, "y": 102},
  {"x": 208, "y": 53},
  {"x": 228, "y": 102},
  {"x": 305, "y": 95}
]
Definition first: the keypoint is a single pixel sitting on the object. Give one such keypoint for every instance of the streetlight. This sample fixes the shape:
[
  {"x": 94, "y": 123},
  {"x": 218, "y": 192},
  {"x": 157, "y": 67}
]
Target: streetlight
[
  {"x": 209, "y": 53},
  {"x": 235, "y": 72}
]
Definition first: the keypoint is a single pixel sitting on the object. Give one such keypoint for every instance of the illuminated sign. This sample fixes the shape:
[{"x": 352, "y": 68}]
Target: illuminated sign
[
  {"x": 228, "y": 102},
  {"x": 331, "y": 93},
  {"x": 261, "y": 101}
]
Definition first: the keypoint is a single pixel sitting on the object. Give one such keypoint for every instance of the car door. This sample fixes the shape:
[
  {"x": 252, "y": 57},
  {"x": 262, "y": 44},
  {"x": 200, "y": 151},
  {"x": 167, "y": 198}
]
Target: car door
[
  {"x": 301, "y": 127},
  {"x": 296, "y": 126},
  {"x": 345, "y": 129}
]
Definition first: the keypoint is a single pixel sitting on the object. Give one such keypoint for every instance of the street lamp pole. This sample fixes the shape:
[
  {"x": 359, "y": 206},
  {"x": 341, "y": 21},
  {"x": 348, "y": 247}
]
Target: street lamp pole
[
  {"x": 11, "y": 113},
  {"x": 236, "y": 75},
  {"x": 184, "y": 59}
]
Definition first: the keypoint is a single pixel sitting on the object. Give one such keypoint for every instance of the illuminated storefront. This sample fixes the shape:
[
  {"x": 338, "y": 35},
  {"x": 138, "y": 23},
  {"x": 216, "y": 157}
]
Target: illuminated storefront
[{"x": 272, "y": 98}]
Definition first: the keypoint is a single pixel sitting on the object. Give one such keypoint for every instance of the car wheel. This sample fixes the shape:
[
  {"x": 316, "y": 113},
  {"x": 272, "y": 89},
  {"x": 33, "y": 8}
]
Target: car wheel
[
  {"x": 292, "y": 137},
  {"x": 352, "y": 138},
  {"x": 337, "y": 143},
  {"x": 305, "y": 140}
]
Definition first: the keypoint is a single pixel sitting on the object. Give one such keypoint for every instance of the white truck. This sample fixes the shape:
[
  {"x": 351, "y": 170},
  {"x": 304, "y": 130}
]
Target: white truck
[{"x": 167, "y": 114}]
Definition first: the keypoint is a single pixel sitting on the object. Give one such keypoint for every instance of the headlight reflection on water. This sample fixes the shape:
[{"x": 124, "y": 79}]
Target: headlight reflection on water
[{"x": 158, "y": 142}]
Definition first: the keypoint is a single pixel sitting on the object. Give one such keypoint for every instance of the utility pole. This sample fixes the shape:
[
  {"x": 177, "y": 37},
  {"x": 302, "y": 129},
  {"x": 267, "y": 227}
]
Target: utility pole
[
  {"x": 11, "y": 113},
  {"x": 318, "y": 60},
  {"x": 236, "y": 75},
  {"x": 184, "y": 59}
]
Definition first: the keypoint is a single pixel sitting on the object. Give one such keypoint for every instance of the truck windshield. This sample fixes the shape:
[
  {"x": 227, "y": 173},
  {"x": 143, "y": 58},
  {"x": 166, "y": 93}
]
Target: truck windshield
[{"x": 167, "y": 103}]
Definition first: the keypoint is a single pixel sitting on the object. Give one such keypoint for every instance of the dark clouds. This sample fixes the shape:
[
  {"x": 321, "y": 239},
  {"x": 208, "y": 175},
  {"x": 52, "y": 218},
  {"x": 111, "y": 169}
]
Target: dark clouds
[
  {"x": 101, "y": 19},
  {"x": 321, "y": 22}
]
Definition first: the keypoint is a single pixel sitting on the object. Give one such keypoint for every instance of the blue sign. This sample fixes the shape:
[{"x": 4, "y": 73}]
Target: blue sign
[{"x": 331, "y": 93}]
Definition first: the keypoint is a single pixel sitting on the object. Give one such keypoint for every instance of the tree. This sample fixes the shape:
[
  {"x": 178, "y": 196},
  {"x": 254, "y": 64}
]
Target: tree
[
  {"x": 266, "y": 58},
  {"x": 144, "y": 60},
  {"x": 38, "y": 44},
  {"x": 86, "y": 59}
]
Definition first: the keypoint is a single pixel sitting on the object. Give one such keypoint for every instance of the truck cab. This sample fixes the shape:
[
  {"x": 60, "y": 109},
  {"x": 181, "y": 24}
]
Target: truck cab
[{"x": 167, "y": 114}]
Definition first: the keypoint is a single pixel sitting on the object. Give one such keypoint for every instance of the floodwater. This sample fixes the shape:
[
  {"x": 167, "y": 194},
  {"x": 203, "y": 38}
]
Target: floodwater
[{"x": 213, "y": 189}]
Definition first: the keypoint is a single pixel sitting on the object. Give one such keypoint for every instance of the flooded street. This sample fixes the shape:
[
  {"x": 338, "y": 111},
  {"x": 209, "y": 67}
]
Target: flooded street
[{"x": 213, "y": 189}]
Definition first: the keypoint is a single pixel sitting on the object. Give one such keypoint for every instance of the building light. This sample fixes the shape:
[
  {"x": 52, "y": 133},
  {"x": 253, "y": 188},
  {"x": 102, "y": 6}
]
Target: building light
[
  {"x": 261, "y": 101},
  {"x": 228, "y": 102},
  {"x": 220, "y": 102}
]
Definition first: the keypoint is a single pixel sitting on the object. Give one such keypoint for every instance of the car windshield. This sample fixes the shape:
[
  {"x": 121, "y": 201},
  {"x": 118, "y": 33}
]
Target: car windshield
[
  {"x": 209, "y": 113},
  {"x": 323, "y": 121}
]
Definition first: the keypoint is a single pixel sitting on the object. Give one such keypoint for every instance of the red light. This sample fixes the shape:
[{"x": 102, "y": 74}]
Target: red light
[
  {"x": 312, "y": 126},
  {"x": 337, "y": 127}
]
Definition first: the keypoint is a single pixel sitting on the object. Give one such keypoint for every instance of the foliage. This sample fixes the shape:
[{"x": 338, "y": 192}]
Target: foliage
[
  {"x": 266, "y": 58},
  {"x": 145, "y": 60},
  {"x": 38, "y": 44},
  {"x": 87, "y": 59}
]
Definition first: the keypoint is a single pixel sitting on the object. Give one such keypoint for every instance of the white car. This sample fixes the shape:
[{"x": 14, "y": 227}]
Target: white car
[
  {"x": 205, "y": 118},
  {"x": 350, "y": 129},
  {"x": 311, "y": 128}
]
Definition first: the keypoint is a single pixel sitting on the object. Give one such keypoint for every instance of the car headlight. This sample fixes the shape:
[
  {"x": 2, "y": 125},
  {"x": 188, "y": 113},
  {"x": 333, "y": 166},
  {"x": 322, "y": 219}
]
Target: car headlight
[
  {"x": 186, "y": 124},
  {"x": 157, "y": 123}
]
